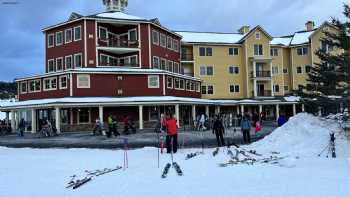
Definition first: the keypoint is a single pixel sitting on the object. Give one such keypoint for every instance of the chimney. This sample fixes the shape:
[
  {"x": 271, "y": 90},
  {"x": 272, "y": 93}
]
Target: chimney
[
  {"x": 245, "y": 29},
  {"x": 310, "y": 25}
]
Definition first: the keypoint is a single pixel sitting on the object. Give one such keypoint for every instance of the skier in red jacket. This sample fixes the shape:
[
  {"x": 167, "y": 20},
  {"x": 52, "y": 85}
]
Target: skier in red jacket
[{"x": 171, "y": 138}]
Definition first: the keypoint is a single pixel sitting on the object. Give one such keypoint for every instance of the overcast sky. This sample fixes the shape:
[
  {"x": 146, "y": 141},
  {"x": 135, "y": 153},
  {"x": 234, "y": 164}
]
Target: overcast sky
[{"x": 22, "y": 43}]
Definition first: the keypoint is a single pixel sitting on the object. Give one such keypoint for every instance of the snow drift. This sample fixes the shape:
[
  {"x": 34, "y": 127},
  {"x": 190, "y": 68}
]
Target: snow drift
[{"x": 304, "y": 135}]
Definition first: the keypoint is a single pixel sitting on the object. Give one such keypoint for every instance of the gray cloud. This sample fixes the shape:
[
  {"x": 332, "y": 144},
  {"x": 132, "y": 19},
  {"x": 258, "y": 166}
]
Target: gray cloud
[{"x": 22, "y": 44}]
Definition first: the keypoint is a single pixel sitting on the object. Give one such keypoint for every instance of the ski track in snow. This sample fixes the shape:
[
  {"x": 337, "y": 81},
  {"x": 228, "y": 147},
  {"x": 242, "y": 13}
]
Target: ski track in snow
[{"x": 45, "y": 172}]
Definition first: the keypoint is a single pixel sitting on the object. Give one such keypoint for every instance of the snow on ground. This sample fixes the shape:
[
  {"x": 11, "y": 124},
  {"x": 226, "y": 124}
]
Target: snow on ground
[{"x": 34, "y": 172}]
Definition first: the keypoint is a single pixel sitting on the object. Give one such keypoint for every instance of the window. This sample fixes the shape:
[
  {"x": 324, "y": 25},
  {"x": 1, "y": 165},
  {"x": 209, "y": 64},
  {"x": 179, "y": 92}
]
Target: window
[
  {"x": 35, "y": 86},
  {"x": 257, "y": 35},
  {"x": 182, "y": 84},
  {"x": 68, "y": 62},
  {"x": 188, "y": 85},
  {"x": 326, "y": 47},
  {"x": 205, "y": 51},
  {"x": 233, "y": 69},
  {"x": 286, "y": 88},
  {"x": 275, "y": 70},
  {"x": 103, "y": 59},
  {"x": 176, "y": 67},
  {"x": 102, "y": 33},
  {"x": 258, "y": 49},
  {"x": 132, "y": 35},
  {"x": 299, "y": 70},
  {"x": 192, "y": 86},
  {"x": 176, "y": 45},
  {"x": 155, "y": 37},
  {"x": 234, "y": 88},
  {"x": 51, "y": 65},
  {"x": 300, "y": 87},
  {"x": 163, "y": 64},
  {"x": 210, "y": 89},
  {"x": 63, "y": 82},
  {"x": 24, "y": 87},
  {"x": 50, "y": 40},
  {"x": 198, "y": 86},
  {"x": 206, "y": 70},
  {"x": 204, "y": 89},
  {"x": 83, "y": 81},
  {"x": 78, "y": 60},
  {"x": 302, "y": 51},
  {"x": 59, "y": 64},
  {"x": 133, "y": 60},
  {"x": 170, "y": 43},
  {"x": 155, "y": 62},
  {"x": 50, "y": 84},
  {"x": 177, "y": 83},
  {"x": 274, "y": 52},
  {"x": 285, "y": 70},
  {"x": 170, "y": 82},
  {"x": 170, "y": 66},
  {"x": 84, "y": 115},
  {"x": 276, "y": 88},
  {"x": 77, "y": 33},
  {"x": 68, "y": 36},
  {"x": 59, "y": 38},
  {"x": 163, "y": 40},
  {"x": 307, "y": 68},
  {"x": 153, "y": 81},
  {"x": 233, "y": 51}
]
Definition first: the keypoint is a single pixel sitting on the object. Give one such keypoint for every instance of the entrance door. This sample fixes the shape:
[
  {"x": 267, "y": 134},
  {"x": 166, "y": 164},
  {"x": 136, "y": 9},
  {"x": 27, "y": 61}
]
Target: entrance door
[{"x": 261, "y": 89}]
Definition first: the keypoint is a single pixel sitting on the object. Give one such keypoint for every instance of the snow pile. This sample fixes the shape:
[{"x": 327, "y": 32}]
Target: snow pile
[{"x": 304, "y": 135}]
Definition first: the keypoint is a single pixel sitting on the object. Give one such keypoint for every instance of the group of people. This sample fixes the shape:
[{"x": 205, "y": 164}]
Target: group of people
[
  {"x": 112, "y": 122},
  {"x": 5, "y": 127}
]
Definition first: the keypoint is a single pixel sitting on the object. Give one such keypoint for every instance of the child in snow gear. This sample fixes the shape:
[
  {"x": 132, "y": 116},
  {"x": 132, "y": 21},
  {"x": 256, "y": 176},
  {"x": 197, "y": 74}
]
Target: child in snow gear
[
  {"x": 219, "y": 130},
  {"x": 171, "y": 125},
  {"x": 246, "y": 126}
]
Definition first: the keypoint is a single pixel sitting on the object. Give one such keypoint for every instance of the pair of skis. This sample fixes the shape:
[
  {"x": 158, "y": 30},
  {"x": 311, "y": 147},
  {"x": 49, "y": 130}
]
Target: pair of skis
[
  {"x": 167, "y": 168},
  {"x": 76, "y": 183},
  {"x": 192, "y": 155}
]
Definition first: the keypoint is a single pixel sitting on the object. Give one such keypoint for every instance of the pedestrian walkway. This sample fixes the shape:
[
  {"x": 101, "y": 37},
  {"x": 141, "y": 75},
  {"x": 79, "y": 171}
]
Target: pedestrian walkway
[{"x": 187, "y": 139}]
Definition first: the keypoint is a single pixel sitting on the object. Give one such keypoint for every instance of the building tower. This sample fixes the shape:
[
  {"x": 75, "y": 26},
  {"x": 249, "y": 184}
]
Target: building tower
[{"x": 115, "y": 5}]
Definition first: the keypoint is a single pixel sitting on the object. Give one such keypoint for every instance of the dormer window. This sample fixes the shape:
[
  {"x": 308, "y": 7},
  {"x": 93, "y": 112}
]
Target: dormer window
[{"x": 59, "y": 38}]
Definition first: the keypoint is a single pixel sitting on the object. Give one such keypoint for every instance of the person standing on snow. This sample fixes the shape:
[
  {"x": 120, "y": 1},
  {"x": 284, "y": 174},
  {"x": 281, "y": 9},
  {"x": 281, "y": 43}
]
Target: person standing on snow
[
  {"x": 246, "y": 126},
  {"x": 202, "y": 122},
  {"x": 171, "y": 138},
  {"x": 219, "y": 130},
  {"x": 281, "y": 120}
]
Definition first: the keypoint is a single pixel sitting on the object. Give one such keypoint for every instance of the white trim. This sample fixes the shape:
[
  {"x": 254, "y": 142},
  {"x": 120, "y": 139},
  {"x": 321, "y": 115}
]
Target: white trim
[
  {"x": 53, "y": 40},
  {"x": 74, "y": 38},
  {"x": 149, "y": 82},
  {"x": 65, "y": 62},
  {"x": 130, "y": 30},
  {"x": 296, "y": 71},
  {"x": 71, "y": 84},
  {"x": 206, "y": 71},
  {"x": 99, "y": 32},
  {"x": 65, "y": 35},
  {"x": 184, "y": 82},
  {"x": 50, "y": 84},
  {"x": 177, "y": 48},
  {"x": 88, "y": 81},
  {"x": 234, "y": 88},
  {"x": 170, "y": 69},
  {"x": 247, "y": 70},
  {"x": 60, "y": 82},
  {"x": 140, "y": 40},
  {"x": 233, "y": 54},
  {"x": 62, "y": 38},
  {"x": 234, "y": 66},
  {"x": 171, "y": 42},
  {"x": 164, "y": 87},
  {"x": 35, "y": 80},
  {"x": 62, "y": 64},
  {"x": 149, "y": 46},
  {"x": 257, "y": 35},
  {"x": 85, "y": 45}
]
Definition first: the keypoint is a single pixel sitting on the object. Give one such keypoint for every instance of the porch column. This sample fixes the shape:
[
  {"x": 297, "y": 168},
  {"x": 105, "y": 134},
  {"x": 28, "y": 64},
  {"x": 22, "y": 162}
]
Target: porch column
[
  {"x": 277, "y": 111},
  {"x": 272, "y": 91},
  {"x": 207, "y": 111},
  {"x": 242, "y": 110},
  {"x": 237, "y": 109},
  {"x": 254, "y": 69},
  {"x": 255, "y": 89},
  {"x": 58, "y": 119},
  {"x": 260, "y": 109},
  {"x": 294, "y": 110},
  {"x": 7, "y": 118},
  {"x": 34, "y": 128},
  {"x": 13, "y": 121},
  {"x": 141, "y": 117},
  {"x": 217, "y": 110},
  {"x": 71, "y": 116},
  {"x": 177, "y": 114},
  {"x": 302, "y": 107},
  {"x": 100, "y": 113},
  {"x": 194, "y": 113}
]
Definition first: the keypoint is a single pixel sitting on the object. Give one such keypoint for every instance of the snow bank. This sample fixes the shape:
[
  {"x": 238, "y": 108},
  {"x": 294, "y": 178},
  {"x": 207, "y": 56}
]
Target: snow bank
[{"x": 304, "y": 135}]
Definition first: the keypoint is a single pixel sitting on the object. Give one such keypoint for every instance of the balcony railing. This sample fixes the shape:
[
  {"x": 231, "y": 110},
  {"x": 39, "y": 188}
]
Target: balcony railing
[
  {"x": 262, "y": 74},
  {"x": 186, "y": 57},
  {"x": 119, "y": 64},
  {"x": 118, "y": 43},
  {"x": 264, "y": 93}
]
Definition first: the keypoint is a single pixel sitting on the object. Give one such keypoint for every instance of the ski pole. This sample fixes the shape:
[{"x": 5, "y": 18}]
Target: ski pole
[
  {"x": 171, "y": 144},
  {"x": 158, "y": 147}
]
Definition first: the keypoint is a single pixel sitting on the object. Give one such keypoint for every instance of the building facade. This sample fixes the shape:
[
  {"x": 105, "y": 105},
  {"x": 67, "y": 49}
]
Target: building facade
[{"x": 113, "y": 63}]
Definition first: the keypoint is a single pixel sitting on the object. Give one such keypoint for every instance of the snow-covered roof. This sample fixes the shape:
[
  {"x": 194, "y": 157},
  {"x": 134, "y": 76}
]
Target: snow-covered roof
[
  {"x": 285, "y": 41},
  {"x": 210, "y": 37},
  {"x": 301, "y": 37},
  {"x": 292, "y": 98},
  {"x": 119, "y": 15}
]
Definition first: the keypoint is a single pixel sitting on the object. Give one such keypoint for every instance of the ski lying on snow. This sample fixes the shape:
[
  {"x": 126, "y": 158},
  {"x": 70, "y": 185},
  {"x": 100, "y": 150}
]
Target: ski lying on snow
[
  {"x": 82, "y": 182},
  {"x": 178, "y": 169},
  {"x": 192, "y": 155}
]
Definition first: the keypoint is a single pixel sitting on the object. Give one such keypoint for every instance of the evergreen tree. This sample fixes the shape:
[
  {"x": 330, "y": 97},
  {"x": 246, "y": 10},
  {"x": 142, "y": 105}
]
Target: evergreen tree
[{"x": 328, "y": 85}]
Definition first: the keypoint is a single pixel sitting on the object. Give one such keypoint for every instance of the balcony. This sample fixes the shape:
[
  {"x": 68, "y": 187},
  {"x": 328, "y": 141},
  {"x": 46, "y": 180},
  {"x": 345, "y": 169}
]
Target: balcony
[
  {"x": 263, "y": 93},
  {"x": 118, "y": 46},
  {"x": 135, "y": 65},
  {"x": 262, "y": 74},
  {"x": 187, "y": 57}
]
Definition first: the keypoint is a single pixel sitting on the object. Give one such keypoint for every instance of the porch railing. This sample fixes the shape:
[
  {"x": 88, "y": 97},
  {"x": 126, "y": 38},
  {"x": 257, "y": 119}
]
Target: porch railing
[
  {"x": 186, "y": 57},
  {"x": 118, "y": 43},
  {"x": 119, "y": 64},
  {"x": 262, "y": 74},
  {"x": 265, "y": 93}
]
